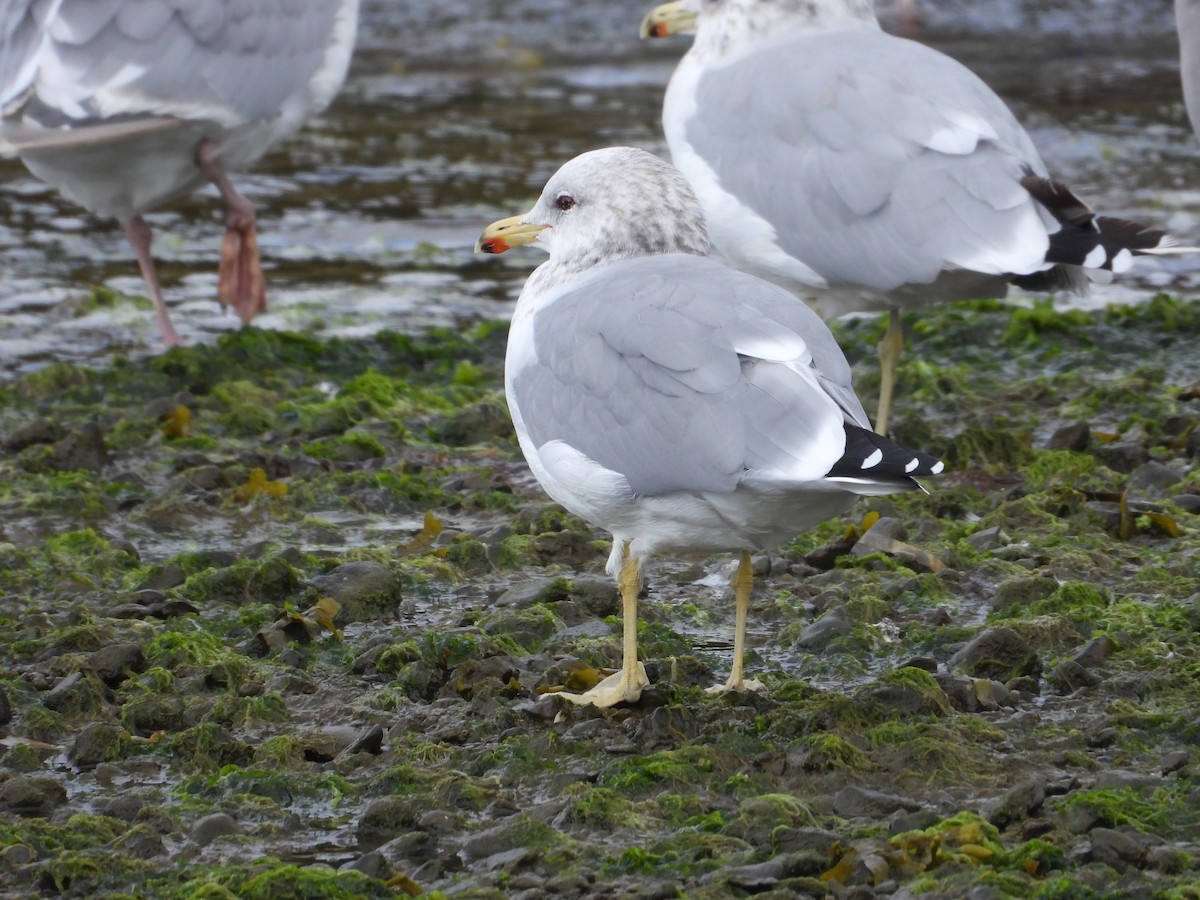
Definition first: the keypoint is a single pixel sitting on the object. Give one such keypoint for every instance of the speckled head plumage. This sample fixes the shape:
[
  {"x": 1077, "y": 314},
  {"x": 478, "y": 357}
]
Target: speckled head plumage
[
  {"x": 604, "y": 205},
  {"x": 724, "y": 27}
]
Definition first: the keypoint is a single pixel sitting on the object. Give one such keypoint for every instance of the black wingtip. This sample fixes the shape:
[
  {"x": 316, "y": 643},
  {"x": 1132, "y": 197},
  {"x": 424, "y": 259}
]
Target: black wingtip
[{"x": 871, "y": 455}]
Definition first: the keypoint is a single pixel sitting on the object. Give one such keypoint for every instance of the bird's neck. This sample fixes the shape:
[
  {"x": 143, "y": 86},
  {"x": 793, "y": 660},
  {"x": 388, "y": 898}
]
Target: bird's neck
[{"x": 741, "y": 24}]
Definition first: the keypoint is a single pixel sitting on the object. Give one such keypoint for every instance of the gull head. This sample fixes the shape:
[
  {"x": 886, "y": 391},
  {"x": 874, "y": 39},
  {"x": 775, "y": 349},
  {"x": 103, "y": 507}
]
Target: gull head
[
  {"x": 616, "y": 203},
  {"x": 734, "y": 23}
]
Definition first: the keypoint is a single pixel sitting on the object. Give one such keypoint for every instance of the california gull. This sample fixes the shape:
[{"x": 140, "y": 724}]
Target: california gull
[
  {"x": 124, "y": 104},
  {"x": 864, "y": 171},
  {"x": 680, "y": 404}
]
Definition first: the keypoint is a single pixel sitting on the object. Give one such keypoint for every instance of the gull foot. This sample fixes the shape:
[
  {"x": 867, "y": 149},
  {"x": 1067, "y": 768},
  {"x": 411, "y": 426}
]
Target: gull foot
[
  {"x": 612, "y": 690},
  {"x": 752, "y": 684}
]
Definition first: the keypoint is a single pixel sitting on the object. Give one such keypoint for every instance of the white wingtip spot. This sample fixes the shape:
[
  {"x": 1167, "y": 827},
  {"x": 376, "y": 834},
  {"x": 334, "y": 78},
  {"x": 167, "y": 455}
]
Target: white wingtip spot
[
  {"x": 912, "y": 464},
  {"x": 1122, "y": 261},
  {"x": 873, "y": 460},
  {"x": 1096, "y": 258},
  {"x": 937, "y": 467}
]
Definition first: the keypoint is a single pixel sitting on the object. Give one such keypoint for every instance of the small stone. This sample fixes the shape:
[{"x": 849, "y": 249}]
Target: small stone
[
  {"x": 1069, "y": 676},
  {"x": 364, "y": 589},
  {"x": 373, "y": 864},
  {"x": 370, "y": 741},
  {"x": 1118, "y": 779},
  {"x": 387, "y": 818},
  {"x": 1096, "y": 652},
  {"x": 209, "y": 828},
  {"x": 39, "y": 431},
  {"x": 1071, "y": 437},
  {"x": 6, "y": 713},
  {"x": 988, "y": 539},
  {"x": 1189, "y": 503},
  {"x": 116, "y": 662},
  {"x": 1175, "y": 761},
  {"x": 31, "y": 796},
  {"x": 853, "y": 802},
  {"x": 833, "y": 624},
  {"x": 1020, "y": 801},
  {"x": 82, "y": 449},
  {"x": 998, "y": 653},
  {"x": 1153, "y": 479},
  {"x": 140, "y": 842},
  {"x": 1117, "y": 848},
  {"x": 98, "y": 742}
]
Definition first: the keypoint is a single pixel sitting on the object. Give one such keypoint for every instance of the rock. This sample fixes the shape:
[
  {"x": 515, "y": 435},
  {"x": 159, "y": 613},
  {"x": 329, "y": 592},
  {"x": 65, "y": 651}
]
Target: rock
[
  {"x": 760, "y": 877},
  {"x": 140, "y": 842},
  {"x": 370, "y": 741},
  {"x": 373, "y": 864},
  {"x": 123, "y": 806},
  {"x": 1116, "y": 779},
  {"x": 1019, "y": 802},
  {"x": 535, "y": 590},
  {"x": 5, "y": 708},
  {"x": 1189, "y": 503},
  {"x": 1071, "y": 437},
  {"x": 1096, "y": 652},
  {"x": 1023, "y": 592},
  {"x": 511, "y": 834},
  {"x": 77, "y": 694},
  {"x": 364, "y": 589},
  {"x": 1069, "y": 676},
  {"x": 116, "y": 662},
  {"x": 207, "y": 829},
  {"x": 998, "y": 653},
  {"x": 1152, "y": 479},
  {"x": 818, "y": 634},
  {"x": 387, "y": 818},
  {"x": 988, "y": 539},
  {"x": 25, "y": 795},
  {"x": 98, "y": 742},
  {"x": 39, "y": 431},
  {"x": 81, "y": 449},
  {"x": 1118, "y": 849},
  {"x": 854, "y": 802},
  {"x": 1175, "y": 761}
]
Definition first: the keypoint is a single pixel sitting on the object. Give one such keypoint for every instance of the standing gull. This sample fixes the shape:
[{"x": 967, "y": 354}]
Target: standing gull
[
  {"x": 675, "y": 402},
  {"x": 123, "y": 105},
  {"x": 864, "y": 171}
]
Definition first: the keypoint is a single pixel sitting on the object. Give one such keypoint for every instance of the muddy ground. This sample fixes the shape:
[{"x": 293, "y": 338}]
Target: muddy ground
[{"x": 988, "y": 691}]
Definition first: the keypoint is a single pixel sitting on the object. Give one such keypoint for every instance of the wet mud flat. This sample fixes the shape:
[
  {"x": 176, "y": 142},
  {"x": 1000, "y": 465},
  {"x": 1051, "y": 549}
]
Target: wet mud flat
[{"x": 284, "y": 616}]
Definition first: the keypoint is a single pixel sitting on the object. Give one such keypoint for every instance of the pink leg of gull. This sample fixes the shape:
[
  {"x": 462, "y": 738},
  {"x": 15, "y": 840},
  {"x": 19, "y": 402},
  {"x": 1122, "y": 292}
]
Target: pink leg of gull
[
  {"x": 140, "y": 237},
  {"x": 240, "y": 282}
]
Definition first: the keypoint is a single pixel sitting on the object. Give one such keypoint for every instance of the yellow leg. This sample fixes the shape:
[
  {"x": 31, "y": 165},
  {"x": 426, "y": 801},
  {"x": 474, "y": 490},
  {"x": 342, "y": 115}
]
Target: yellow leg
[
  {"x": 625, "y": 686},
  {"x": 890, "y": 349},
  {"x": 743, "y": 581}
]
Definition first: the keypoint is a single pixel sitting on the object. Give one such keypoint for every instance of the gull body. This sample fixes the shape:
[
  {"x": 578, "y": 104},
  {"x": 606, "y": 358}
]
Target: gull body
[
  {"x": 123, "y": 105},
  {"x": 677, "y": 403},
  {"x": 867, "y": 172},
  {"x": 1187, "y": 22}
]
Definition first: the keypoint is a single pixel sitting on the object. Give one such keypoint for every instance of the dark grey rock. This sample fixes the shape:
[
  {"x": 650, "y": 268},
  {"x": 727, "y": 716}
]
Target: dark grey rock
[
  {"x": 370, "y": 741},
  {"x": 998, "y": 653},
  {"x": 762, "y": 876},
  {"x": 140, "y": 842},
  {"x": 1175, "y": 761},
  {"x": 387, "y": 818},
  {"x": 39, "y": 431},
  {"x": 364, "y": 589},
  {"x": 853, "y": 801},
  {"x": 1023, "y": 591},
  {"x": 1153, "y": 479},
  {"x": 1118, "y": 849},
  {"x": 1096, "y": 652},
  {"x": 988, "y": 539},
  {"x": 1018, "y": 803},
  {"x": 207, "y": 829},
  {"x": 121, "y": 806},
  {"x": 81, "y": 449},
  {"x": 1127, "y": 778},
  {"x": 1069, "y": 676},
  {"x": 1189, "y": 503},
  {"x": 6, "y": 713},
  {"x": 833, "y": 624},
  {"x": 1071, "y": 437},
  {"x": 25, "y": 795},
  {"x": 98, "y": 742},
  {"x": 373, "y": 864},
  {"x": 116, "y": 662}
]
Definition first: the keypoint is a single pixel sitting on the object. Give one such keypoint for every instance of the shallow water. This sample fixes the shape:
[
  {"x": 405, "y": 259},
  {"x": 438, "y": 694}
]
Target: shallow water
[{"x": 451, "y": 118}]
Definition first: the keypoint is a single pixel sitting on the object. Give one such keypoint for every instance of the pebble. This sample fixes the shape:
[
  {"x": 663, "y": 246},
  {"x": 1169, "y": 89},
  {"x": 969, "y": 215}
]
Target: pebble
[
  {"x": 998, "y": 653},
  {"x": 853, "y": 801},
  {"x": 207, "y": 829},
  {"x": 833, "y": 624}
]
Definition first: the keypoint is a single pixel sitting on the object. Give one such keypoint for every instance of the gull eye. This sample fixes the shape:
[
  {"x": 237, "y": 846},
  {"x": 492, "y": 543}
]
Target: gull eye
[{"x": 564, "y": 202}]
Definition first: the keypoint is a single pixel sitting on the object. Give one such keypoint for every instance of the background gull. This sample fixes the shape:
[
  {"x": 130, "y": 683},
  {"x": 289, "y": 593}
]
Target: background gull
[
  {"x": 1187, "y": 22},
  {"x": 669, "y": 399},
  {"x": 868, "y": 172},
  {"x": 125, "y": 104}
]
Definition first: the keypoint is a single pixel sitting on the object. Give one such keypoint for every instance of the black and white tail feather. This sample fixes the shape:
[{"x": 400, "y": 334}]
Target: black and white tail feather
[
  {"x": 1097, "y": 245},
  {"x": 874, "y": 464}
]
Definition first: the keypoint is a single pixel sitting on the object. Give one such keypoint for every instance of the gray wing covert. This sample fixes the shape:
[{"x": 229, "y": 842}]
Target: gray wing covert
[
  {"x": 223, "y": 59},
  {"x": 639, "y": 372},
  {"x": 878, "y": 160},
  {"x": 20, "y": 36}
]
